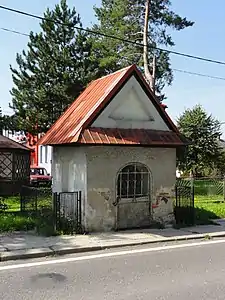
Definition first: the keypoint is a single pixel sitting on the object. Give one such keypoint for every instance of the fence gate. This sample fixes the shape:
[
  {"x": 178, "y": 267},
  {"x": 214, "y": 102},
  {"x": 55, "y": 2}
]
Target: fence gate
[
  {"x": 184, "y": 206},
  {"x": 68, "y": 212}
]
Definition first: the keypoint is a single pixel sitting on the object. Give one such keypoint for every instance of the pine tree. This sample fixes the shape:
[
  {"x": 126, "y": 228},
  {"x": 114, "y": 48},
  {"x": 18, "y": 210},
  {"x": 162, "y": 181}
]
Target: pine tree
[
  {"x": 125, "y": 19},
  {"x": 53, "y": 71}
]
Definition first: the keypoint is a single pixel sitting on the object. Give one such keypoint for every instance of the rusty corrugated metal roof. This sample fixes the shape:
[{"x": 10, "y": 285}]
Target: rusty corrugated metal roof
[
  {"x": 116, "y": 136},
  {"x": 87, "y": 106}
]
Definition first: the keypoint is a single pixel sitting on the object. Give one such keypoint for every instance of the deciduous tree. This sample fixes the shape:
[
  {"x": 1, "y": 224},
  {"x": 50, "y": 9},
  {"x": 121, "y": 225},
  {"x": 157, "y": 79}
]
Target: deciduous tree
[{"x": 203, "y": 132}]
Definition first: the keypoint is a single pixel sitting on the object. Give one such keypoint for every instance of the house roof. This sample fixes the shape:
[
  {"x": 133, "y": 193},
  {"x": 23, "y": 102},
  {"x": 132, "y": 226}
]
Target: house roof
[
  {"x": 6, "y": 143},
  {"x": 71, "y": 126}
]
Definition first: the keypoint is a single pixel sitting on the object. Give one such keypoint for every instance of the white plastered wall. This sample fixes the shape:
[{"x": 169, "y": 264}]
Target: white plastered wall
[{"x": 131, "y": 108}]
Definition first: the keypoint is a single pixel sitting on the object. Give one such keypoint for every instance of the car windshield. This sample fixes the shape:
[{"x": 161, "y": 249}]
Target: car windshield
[{"x": 38, "y": 171}]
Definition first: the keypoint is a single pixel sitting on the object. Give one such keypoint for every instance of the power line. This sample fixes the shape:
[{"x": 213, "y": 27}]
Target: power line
[
  {"x": 176, "y": 70},
  {"x": 199, "y": 74},
  {"x": 13, "y": 31},
  {"x": 114, "y": 37}
]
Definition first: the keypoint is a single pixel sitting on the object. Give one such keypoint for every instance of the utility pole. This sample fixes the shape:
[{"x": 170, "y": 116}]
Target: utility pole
[{"x": 149, "y": 77}]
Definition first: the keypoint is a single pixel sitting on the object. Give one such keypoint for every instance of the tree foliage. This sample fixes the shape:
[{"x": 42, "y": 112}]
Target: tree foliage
[
  {"x": 61, "y": 59},
  {"x": 8, "y": 122},
  {"x": 203, "y": 132},
  {"x": 53, "y": 70},
  {"x": 125, "y": 20}
]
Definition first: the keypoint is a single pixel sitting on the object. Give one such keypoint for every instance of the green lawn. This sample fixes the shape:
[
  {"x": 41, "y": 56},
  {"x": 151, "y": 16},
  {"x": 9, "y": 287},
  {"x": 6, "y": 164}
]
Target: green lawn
[
  {"x": 208, "y": 208},
  {"x": 37, "y": 214},
  {"x": 10, "y": 222},
  {"x": 13, "y": 204},
  {"x": 208, "y": 199}
]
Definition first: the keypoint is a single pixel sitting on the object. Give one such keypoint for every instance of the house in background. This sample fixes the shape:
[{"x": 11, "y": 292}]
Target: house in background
[
  {"x": 117, "y": 145},
  {"x": 14, "y": 166},
  {"x": 45, "y": 157},
  {"x": 41, "y": 155}
]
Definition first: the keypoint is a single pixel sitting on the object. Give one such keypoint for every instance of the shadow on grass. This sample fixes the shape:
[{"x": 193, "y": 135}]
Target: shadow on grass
[
  {"x": 186, "y": 216},
  {"x": 204, "y": 216}
]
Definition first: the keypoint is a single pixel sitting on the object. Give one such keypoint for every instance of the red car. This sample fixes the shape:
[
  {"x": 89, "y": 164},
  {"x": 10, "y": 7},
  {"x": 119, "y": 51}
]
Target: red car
[{"x": 39, "y": 176}]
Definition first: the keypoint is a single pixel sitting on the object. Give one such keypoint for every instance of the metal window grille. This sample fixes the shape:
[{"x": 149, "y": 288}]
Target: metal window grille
[{"x": 133, "y": 181}]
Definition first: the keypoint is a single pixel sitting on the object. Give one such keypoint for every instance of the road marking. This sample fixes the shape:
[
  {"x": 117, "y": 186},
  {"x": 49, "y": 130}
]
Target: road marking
[{"x": 113, "y": 254}]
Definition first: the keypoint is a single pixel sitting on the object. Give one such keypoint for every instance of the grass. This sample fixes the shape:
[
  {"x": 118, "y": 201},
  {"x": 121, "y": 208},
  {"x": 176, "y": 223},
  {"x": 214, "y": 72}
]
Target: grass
[
  {"x": 12, "y": 219},
  {"x": 11, "y": 222},
  {"x": 13, "y": 203},
  {"x": 208, "y": 199},
  {"x": 208, "y": 208}
]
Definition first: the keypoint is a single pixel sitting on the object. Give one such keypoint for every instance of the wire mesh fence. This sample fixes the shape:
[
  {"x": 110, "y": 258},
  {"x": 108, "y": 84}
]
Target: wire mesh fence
[
  {"x": 206, "y": 189},
  {"x": 30, "y": 199},
  {"x": 35, "y": 199},
  {"x": 50, "y": 212}
]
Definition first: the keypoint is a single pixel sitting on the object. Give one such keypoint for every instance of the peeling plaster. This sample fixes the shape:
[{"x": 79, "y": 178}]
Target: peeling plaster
[
  {"x": 163, "y": 210},
  {"x": 99, "y": 210}
]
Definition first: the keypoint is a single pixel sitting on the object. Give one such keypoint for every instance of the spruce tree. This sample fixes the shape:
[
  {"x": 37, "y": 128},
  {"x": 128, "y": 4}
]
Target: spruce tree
[{"x": 53, "y": 70}]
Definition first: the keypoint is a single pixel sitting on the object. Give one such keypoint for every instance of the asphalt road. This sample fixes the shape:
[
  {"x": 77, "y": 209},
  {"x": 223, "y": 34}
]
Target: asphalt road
[{"x": 196, "y": 272}]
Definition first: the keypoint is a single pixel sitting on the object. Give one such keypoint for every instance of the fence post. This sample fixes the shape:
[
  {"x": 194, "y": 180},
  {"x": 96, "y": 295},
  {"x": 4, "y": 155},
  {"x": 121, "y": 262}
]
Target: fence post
[
  {"x": 21, "y": 199},
  {"x": 54, "y": 196},
  {"x": 193, "y": 198},
  {"x": 224, "y": 188},
  {"x": 36, "y": 201},
  {"x": 80, "y": 211}
]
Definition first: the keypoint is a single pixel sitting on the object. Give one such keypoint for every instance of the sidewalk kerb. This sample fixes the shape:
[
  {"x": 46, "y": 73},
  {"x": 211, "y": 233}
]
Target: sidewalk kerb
[
  {"x": 25, "y": 254},
  {"x": 57, "y": 250}
]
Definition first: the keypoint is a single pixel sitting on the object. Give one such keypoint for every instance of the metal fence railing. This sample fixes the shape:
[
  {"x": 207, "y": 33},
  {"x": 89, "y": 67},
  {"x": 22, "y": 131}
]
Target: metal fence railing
[
  {"x": 68, "y": 212},
  {"x": 206, "y": 189}
]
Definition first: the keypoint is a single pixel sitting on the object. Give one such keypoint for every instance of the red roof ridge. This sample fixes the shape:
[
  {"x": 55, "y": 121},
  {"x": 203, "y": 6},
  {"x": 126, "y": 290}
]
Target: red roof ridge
[{"x": 114, "y": 73}]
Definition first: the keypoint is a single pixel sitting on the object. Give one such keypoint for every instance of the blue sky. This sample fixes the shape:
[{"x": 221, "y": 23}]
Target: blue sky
[{"x": 205, "y": 38}]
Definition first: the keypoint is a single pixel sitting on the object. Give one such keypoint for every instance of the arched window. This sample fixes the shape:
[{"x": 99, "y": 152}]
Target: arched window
[{"x": 133, "y": 181}]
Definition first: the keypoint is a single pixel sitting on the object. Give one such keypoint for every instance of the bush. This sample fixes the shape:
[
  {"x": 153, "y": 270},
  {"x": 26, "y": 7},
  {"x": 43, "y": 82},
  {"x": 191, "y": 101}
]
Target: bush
[{"x": 12, "y": 222}]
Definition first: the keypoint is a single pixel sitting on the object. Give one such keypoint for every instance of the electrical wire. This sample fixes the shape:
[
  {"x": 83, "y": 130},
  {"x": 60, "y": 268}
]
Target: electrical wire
[
  {"x": 199, "y": 74},
  {"x": 14, "y": 31},
  {"x": 114, "y": 37},
  {"x": 176, "y": 70}
]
